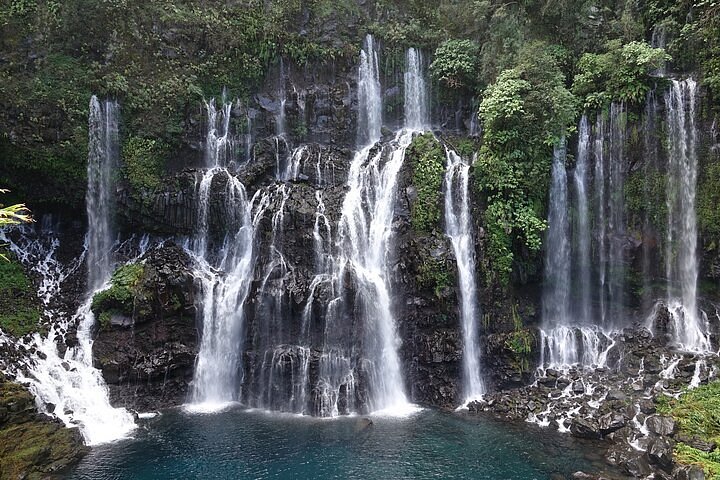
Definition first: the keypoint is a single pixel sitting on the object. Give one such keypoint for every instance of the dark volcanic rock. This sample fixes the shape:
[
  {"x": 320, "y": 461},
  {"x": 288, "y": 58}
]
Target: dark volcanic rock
[
  {"x": 661, "y": 425},
  {"x": 585, "y": 428},
  {"x": 660, "y": 452},
  {"x": 149, "y": 363}
]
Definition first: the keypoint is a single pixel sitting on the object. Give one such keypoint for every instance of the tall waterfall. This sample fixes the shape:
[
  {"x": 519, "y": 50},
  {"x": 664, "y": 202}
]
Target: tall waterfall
[
  {"x": 225, "y": 273},
  {"x": 417, "y": 116},
  {"x": 616, "y": 265},
  {"x": 572, "y": 331},
  {"x": 70, "y": 382},
  {"x": 369, "y": 95},
  {"x": 556, "y": 282},
  {"x": 365, "y": 234},
  {"x": 103, "y": 145},
  {"x": 459, "y": 228},
  {"x": 681, "y": 246},
  {"x": 280, "y": 125},
  {"x": 582, "y": 224}
]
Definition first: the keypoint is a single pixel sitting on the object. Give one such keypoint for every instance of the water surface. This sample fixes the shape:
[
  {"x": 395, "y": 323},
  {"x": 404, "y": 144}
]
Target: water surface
[{"x": 239, "y": 444}]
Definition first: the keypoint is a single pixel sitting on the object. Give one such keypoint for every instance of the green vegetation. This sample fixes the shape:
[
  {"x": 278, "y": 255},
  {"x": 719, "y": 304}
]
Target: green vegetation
[
  {"x": 434, "y": 274},
  {"x": 31, "y": 447},
  {"x": 697, "y": 413},
  {"x": 708, "y": 199},
  {"x": 642, "y": 191},
  {"x": 524, "y": 113},
  {"x": 143, "y": 165},
  {"x": 519, "y": 343},
  {"x": 19, "y": 311},
  {"x": 455, "y": 63},
  {"x": 120, "y": 298},
  {"x": 427, "y": 160},
  {"x": 622, "y": 73}
]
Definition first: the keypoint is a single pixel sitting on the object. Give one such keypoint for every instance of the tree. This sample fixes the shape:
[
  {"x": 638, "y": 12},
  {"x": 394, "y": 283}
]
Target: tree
[
  {"x": 13, "y": 215},
  {"x": 525, "y": 113}
]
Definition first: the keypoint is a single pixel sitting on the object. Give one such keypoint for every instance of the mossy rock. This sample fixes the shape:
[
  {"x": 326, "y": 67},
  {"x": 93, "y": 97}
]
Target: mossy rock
[
  {"x": 427, "y": 160},
  {"x": 33, "y": 446},
  {"x": 19, "y": 306},
  {"x": 120, "y": 298},
  {"x": 697, "y": 413}
]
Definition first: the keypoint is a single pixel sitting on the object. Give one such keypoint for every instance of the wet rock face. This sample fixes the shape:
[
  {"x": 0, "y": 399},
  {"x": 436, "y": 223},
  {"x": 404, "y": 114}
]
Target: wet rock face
[
  {"x": 148, "y": 361},
  {"x": 33, "y": 445}
]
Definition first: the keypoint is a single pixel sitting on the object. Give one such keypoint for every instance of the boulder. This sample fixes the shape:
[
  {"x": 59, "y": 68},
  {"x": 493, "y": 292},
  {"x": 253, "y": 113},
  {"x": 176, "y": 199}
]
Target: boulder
[
  {"x": 585, "y": 428},
  {"x": 611, "y": 422},
  {"x": 660, "y": 452},
  {"x": 661, "y": 425}
]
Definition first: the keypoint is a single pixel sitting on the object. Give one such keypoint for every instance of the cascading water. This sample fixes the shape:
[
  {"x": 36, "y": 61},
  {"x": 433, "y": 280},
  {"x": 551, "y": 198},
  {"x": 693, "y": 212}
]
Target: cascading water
[
  {"x": 556, "y": 284},
  {"x": 280, "y": 125},
  {"x": 103, "y": 153},
  {"x": 365, "y": 230},
  {"x": 459, "y": 228},
  {"x": 70, "y": 382},
  {"x": 417, "y": 116},
  {"x": 225, "y": 276},
  {"x": 616, "y": 264},
  {"x": 688, "y": 325},
  {"x": 569, "y": 335},
  {"x": 582, "y": 224},
  {"x": 364, "y": 238},
  {"x": 220, "y": 145},
  {"x": 369, "y": 96}
]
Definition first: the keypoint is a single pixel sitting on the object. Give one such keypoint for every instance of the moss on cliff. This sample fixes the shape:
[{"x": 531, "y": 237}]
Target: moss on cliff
[
  {"x": 121, "y": 297},
  {"x": 427, "y": 160},
  {"x": 19, "y": 312}
]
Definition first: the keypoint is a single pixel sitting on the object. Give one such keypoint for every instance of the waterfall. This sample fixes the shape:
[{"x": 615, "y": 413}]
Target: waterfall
[
  {"x": 220, "y": 145},
  {"x": 103, "y": 150},
  {"x": 616, "y": 263},
  {"x": 681, "y": 245},
  {"x": 70, "y": 382},
  {"x": 280, "y": 120},
  {"x": 364, "y": 237},
  {"x": 569, "y": 335},
  {"x": 459, "y": 228},
  {"x": 417, "y": 116},
  {"x": 556, "y": 281},
  {"x": 369, "y": 95},
  {"x": 601, "y": 221},
  {"x": 225, "y": 275},
  {"x": 582, "y": 223}
]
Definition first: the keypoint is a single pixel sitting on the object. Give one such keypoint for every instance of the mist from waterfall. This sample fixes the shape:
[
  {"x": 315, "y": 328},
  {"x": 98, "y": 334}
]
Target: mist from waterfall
[{"x": 459, "y": 228}]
